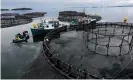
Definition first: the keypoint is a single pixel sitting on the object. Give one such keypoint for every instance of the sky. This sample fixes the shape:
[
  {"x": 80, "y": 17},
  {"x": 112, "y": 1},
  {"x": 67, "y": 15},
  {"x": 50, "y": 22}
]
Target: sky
[
  {"x": 61, "y": 3},
  {"x": 52, "y": 7}
]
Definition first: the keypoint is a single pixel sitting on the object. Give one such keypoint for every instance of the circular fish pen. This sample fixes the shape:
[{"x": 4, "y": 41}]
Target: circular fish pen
[
  {"x": 110, "y": 39},
  {"x": 86, "y": 51}
]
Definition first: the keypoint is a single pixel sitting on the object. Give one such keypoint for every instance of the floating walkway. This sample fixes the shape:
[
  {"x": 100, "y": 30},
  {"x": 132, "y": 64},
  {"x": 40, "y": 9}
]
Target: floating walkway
[{"x": 88, "y": 52}]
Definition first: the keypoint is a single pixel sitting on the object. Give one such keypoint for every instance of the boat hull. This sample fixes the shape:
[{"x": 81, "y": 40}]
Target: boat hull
[
  {"x": 38, "y": 38},
  {"x": 37, "y": 32},
  {"x": 18, "y": 41}
]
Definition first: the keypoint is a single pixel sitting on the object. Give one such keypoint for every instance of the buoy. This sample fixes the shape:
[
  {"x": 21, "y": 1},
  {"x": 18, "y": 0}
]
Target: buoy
[
  {"x": 125, "y": 19},
  {"x": 35, "y": 25}
]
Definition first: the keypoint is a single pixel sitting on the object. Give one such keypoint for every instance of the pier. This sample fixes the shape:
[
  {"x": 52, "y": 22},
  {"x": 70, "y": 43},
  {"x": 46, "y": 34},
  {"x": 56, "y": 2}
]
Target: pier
[{"x": 90, "y": 52}]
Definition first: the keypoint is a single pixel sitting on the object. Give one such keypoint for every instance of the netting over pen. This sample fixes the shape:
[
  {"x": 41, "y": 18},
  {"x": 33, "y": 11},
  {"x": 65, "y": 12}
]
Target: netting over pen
[{"x": 112, "y": 39}]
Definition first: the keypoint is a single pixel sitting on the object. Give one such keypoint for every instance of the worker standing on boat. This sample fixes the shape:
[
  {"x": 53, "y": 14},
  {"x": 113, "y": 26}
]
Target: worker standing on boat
[
  {"x": 35, "y": 25},
  {"x": 25, "y": 35},
  {"x": 17, "y": 37},
  {"x": 125, "y": 19}
]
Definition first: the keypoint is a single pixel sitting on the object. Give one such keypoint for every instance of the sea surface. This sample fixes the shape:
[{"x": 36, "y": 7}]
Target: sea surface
[
  {"x": 16, "y": 58},
  {"x": 108, "y": 14}
]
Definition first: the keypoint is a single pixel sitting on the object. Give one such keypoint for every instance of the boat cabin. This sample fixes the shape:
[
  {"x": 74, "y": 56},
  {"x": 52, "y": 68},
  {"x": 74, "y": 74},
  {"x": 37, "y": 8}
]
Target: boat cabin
[{"x": 49, "y": 24}]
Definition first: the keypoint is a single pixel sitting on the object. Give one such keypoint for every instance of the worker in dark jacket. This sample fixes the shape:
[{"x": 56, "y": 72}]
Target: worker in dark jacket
[{"x": 25, "y": 35}]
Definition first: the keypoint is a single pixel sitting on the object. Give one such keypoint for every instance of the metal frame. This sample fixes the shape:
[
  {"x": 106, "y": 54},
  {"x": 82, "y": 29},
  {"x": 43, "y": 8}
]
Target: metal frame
[
  {"x": 102, "y": 31},
  {"x": 68, "y": 70}
]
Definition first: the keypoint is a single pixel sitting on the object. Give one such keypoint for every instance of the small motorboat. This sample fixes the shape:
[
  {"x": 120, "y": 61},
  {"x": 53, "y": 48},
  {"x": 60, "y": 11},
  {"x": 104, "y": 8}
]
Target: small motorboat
[
  {"x": 21, "y": 38},
  {"x": 18, "y": 41}
]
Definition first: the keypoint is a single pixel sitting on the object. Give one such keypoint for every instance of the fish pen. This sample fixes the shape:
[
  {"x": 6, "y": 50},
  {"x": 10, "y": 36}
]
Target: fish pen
[
  {"x": 91, "y": 51},
  {"x": 108, "y": 37},
  {"x": 13, "y": 19},
  {"x": 8, "y": 22}
]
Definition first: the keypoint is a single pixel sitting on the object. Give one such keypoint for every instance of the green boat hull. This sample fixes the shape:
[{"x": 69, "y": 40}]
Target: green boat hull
[{"x": 37, "y": 32}]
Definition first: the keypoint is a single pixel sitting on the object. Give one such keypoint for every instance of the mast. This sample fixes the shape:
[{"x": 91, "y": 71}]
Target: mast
[{"x": 83, "y": 10}]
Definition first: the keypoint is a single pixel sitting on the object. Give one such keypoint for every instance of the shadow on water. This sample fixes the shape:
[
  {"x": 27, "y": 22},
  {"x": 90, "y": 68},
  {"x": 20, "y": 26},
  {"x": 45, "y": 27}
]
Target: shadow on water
[
  {"x": 107, "y": 72},
  {"x": 38, "y": 38},
  {"x": 117, "y": 72}
]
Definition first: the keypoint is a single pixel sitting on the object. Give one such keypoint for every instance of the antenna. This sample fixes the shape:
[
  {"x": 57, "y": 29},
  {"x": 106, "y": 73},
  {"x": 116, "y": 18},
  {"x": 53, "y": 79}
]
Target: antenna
[{"x": 83, "y": 10}]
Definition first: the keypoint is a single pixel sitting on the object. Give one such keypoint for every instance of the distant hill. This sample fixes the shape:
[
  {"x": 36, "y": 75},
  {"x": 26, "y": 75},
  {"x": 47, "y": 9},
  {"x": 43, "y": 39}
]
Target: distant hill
[
  {"x": 35, "y": 14},
  {"x": 22, "y": 9},
  {"x": 123, "y": 6},
  {"x": 4, "y": 9}
]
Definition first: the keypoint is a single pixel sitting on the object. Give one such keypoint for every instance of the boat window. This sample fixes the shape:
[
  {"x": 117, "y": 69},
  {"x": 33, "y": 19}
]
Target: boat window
[
  {"x": 47, "y": 26},
  {"x": 50, "y": 22}
]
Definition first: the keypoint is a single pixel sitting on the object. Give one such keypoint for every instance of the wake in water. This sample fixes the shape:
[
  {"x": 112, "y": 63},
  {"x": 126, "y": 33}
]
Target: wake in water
[{"x": 16, "y": 47}]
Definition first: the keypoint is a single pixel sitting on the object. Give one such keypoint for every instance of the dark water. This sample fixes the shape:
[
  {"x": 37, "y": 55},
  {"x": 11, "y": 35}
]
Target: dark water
[{"x": 16, "y": 58}]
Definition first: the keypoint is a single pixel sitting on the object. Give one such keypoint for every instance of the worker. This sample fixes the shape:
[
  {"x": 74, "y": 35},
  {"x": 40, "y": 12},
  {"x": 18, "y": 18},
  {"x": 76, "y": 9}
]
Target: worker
[
  {"x": 35, "y": 25},
  {"x": 125, "y": 19},
  {"x": 17, "y": 37},
  {"x": 25, "y": 35}
]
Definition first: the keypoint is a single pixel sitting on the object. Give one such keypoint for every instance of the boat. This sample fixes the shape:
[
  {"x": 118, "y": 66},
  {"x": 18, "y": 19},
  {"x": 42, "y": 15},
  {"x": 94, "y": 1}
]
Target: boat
[
  {"x": 44, "y": 27},
  {"x": 21, "y": 38},
  {"x": 18, "y": 41}
]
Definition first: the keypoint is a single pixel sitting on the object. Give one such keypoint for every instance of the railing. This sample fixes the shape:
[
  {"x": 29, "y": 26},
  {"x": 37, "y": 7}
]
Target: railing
[
  {"x": 68, "y": 70},
  {"x": 51, "y": 18}
]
